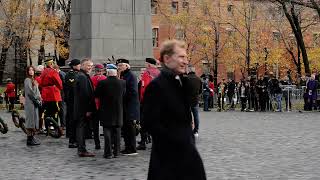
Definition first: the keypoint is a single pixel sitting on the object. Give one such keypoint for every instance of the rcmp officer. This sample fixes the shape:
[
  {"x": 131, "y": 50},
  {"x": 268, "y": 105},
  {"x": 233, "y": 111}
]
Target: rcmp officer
[
  {"x": 70, "y": 81},
  {"x": 99, "y": 70},
  {"x": 131, "y": 107},
  {"x": 148, "y": 75},
  {"x": 51, "y": 85},
  {"x": 11, "y": 93}
]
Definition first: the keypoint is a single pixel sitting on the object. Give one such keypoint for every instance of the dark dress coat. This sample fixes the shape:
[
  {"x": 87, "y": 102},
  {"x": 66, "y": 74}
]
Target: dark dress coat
[
  {"x": 194, "y": 87},
  {"x": 110, "y": 92},
  {"x": 69, "y": 85},
  {"x": 168, "y": 119},
  {"x": 131, "y": 106},
  {"x": 312, "y": 89},
  {"x": 83, "y": 96}
]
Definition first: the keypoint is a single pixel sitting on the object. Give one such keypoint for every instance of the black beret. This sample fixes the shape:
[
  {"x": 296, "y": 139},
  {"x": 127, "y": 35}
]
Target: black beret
[
  {"x": 74, "y": 62},
  {"x": 151, "y": 61},
  {"x": 122, "y": 61}
]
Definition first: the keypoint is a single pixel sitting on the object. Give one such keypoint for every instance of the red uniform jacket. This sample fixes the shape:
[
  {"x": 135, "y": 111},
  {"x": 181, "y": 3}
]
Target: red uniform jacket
[
  {"x": 38, "y": 79},
  {"x": 50, "y": 85},
  {"x": 95, "y": 80},
  {"x": 211, "y": 86},
  {"x": 11, "y": 90},
  {"x": 146, "y": 78}
]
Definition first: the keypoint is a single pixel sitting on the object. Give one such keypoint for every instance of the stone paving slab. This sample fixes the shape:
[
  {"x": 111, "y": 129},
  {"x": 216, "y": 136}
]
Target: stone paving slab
[{"x": 233, "y": 145}]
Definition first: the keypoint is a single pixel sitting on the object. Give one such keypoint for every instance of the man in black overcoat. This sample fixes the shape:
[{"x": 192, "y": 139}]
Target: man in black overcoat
[
  {"x": 70, "y": 82},
  {"x": 131, "y": 107},
  {"x": 168, "y": 118},
  {"x": 84, "y": 105},
  {"x": 110, "y": 92}
]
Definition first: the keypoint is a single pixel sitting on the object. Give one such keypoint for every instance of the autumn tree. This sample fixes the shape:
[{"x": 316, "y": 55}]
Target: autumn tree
[{"x": 13, "y": 22}]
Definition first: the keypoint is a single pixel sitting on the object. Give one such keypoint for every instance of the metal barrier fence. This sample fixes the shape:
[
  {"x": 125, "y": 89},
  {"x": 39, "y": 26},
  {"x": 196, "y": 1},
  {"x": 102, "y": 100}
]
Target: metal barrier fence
[{"x": 296, "y": 95}]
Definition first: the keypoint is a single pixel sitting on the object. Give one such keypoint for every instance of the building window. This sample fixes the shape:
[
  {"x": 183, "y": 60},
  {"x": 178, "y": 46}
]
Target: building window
[
  {"x": 154, "y": 6},
  {"x": 205, "y": 10},
  {"x": 180, "y": 34},
  {"x": 276, "y": 35},
  {"x": 174, "y": 7},
  {"x": 185, "y": 5},
  {"x": 254, "y": 12},
  {"x": 275, "y": 13},
  {"x": 155, "y": 37},
  {"x": 316, "y": 39},
  {"x": 230, "y": 9}
]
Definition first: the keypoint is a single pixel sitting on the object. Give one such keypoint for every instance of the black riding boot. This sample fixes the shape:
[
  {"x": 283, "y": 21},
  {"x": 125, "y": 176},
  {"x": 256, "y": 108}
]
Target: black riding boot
[{"x": 31, "y": 141}]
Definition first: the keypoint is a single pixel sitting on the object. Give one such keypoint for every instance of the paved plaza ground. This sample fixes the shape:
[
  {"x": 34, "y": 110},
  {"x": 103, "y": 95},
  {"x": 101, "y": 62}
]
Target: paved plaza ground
[{"x": 233, "y": 145}]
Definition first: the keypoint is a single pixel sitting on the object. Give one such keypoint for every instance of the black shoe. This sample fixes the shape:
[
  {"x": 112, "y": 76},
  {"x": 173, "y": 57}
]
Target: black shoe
[
  {"x": 142, "y": 147},
  {"x": 107, "y": 156},
  {"x": 129, "y": 153},
  {"x": 86, "y": 154},
  {"x": 73, "y": 145},
  {"x": 35, "y": 141},
  {"x": 98, "y": 146},
  {"x": 31, "y": 141}
]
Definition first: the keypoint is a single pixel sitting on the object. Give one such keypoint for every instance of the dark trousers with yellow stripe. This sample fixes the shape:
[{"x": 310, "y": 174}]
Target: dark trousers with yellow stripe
[{"x": 51, "y": 109}]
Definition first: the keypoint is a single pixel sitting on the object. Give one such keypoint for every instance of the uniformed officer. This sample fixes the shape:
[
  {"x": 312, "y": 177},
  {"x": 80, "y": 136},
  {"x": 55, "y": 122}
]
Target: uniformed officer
[
  {"x": 70, "y": 81},
  {"x": 148, "y": 75},
  {"x": 96, "y": 78},
  {"x": 51, "y": 85}
]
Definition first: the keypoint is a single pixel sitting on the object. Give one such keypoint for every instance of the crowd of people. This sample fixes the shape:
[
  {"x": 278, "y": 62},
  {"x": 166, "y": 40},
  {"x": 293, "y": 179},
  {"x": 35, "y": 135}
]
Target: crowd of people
[
  {"x": 265, "y": 93},
  {"x": 81, "y": 102},
  {"x": 160, "y": 104}
]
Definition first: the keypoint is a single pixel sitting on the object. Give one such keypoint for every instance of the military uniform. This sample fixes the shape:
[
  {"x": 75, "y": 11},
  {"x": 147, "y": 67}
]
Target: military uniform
[
  {"x": 51, "y": 85},
  {"x": 70, "y": 81}
]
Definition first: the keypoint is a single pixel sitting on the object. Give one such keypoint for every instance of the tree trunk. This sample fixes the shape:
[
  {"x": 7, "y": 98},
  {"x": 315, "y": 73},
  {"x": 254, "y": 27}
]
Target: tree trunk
[
  {"x": 316, "y": 6},
  {"x": 299, "y": 62},
  {"x": 296, "y": 29},
  {"x": 29, "y": 56},
  {"x": 216, "y": 53},
  {"x": 300, "y": 41},
  {"x": 248, "y": 52},
  {"x": 66, "y": 34},
  {"x": 3, "y": 59},
  {"x": 42, "y": 52}
]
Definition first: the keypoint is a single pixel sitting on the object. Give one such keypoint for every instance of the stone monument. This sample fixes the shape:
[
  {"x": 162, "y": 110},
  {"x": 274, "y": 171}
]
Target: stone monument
[{"x": 101, "y": 29}]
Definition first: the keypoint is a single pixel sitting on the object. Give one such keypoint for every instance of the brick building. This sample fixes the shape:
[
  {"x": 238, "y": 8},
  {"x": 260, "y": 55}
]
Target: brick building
[{"x": 261, "y": 25}]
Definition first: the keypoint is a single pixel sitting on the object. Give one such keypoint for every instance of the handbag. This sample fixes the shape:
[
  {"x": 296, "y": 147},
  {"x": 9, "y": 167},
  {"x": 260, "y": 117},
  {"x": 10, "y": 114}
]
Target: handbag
[{"x": 36, "y": 102}]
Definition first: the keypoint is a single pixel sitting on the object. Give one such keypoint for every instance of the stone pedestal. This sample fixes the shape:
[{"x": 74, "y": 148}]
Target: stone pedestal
[{"x": 104, "y": 28}]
